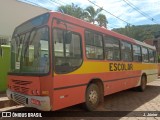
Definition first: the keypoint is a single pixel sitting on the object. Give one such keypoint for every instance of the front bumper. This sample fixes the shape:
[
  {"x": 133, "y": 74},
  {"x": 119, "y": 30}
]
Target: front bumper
[{"x": 26, "y": 100}]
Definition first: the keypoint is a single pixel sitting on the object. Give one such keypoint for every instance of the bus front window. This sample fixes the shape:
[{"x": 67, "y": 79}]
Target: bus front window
[{"x": 31, "y": 54}]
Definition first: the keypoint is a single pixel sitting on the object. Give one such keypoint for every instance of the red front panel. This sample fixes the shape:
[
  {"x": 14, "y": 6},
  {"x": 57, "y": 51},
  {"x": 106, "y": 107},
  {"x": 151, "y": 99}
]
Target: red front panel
[{"x": 24, "y": 84}]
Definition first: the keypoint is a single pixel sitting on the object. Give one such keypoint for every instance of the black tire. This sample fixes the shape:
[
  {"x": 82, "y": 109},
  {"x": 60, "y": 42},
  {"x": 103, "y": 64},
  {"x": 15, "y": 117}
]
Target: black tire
[
  {"x": 143, "y": 84},
  {"x": 92, "y": 97}
]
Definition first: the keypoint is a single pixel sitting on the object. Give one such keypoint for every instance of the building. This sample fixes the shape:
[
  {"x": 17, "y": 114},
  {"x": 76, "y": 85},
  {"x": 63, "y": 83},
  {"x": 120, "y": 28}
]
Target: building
[{"x": 13, "y": 13}]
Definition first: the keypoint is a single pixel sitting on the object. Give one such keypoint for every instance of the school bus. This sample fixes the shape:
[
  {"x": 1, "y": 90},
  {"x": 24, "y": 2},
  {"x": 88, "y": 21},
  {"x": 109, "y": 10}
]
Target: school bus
[{"x": 60, "y": 61}]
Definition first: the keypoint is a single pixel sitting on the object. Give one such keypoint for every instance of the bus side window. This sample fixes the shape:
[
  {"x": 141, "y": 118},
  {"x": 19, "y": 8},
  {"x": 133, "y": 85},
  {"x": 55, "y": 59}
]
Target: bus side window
[
  {"x": 58, "y": 42},
  {"x": 151, "y": 56},
  {"x": 137, "y": 56},
  {"x": 67, "y": 50},
  {"x": 126, "y": 51},
  {"x": 94, "y": 45},
  {"x": 75, "y": 47},
  {"x": 112, "y": 48},
  {"x": 145, "y": 55}
]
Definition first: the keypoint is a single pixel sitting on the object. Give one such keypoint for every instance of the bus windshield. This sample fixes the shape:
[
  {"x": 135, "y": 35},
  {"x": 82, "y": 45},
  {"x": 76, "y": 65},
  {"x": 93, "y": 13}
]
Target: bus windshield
[{"x": 30, "y": 50}]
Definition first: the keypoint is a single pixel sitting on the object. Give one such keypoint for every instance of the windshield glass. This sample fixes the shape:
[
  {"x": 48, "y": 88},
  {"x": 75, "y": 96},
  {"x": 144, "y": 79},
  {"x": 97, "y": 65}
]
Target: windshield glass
[{"x": 29, "y": 51}]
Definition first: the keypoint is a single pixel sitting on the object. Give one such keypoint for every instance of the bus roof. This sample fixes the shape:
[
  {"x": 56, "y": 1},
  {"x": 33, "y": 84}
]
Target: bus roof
[{"x": 87, "y": 25}]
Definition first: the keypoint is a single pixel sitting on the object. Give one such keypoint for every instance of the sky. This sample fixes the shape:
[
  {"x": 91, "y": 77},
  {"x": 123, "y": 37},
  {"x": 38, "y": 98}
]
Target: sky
[{"x": 148, "y": 10}]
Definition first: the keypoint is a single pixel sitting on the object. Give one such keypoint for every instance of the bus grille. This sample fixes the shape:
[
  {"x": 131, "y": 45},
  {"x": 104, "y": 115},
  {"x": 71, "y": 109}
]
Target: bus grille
[
  {"x": 19, "y": 82},
  {"x": 21, "y": 89},
  {"x": 19, "y": 98},
  {"x": 20, "y": 86}
]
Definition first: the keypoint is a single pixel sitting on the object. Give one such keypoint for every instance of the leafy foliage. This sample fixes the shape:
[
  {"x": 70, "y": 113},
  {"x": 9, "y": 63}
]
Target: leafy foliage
[
  {"x": 72, "y": 10},
  {"x": 102, "y": 20},
  {"x": 141, "y": 33},
  {"x": 88, "y": 14}
]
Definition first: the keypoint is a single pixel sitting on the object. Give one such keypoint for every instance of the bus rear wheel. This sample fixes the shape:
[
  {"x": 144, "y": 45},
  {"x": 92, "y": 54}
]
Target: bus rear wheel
[
  {"x": 143, "y": 84},
  {"x": 92, "y": 97}
]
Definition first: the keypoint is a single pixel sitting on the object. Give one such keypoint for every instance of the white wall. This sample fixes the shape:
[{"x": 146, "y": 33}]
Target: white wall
[{"x": 13, "y": 13}]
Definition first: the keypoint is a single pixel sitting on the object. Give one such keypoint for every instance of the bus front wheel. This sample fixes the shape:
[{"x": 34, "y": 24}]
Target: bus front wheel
[{"x": 92, "y": 97}]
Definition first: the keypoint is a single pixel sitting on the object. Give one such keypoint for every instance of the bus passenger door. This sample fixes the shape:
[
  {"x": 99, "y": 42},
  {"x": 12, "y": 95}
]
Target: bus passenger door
[{"x": 67, "y": 47}]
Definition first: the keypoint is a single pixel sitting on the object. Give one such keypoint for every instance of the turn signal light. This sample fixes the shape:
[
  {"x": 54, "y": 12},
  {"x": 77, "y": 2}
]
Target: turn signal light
[{"x": 45, "y": 92}]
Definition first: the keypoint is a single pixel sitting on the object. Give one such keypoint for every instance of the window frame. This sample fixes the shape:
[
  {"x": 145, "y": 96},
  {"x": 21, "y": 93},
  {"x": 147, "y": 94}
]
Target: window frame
[
  {"x": 133, "y": 52},
  {"x": 124, "y": 41},
  {"x": 154, "y": 55},
  {"x": 53, "y": 52},
  {"x": 102, "y": 47},
  {"x": 143, "y": 47},
  {"x": 49, "y": 40},
  {"x": 119, "y": 41}
]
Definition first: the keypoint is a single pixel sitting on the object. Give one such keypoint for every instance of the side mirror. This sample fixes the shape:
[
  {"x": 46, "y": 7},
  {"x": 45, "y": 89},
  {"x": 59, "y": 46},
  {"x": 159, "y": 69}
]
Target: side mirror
[{"x": 68, "y": 37}]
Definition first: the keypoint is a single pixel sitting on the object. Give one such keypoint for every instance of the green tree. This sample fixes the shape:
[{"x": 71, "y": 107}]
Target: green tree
[
  {"x": 72, "y": 10},
  {"x": 102, "y": 20},
  {"x": 89, "y": 14},
  {"x": 141, "y": 33},
  {"x": 95, "y": 15},
  {"x": 92, "y": 13}
]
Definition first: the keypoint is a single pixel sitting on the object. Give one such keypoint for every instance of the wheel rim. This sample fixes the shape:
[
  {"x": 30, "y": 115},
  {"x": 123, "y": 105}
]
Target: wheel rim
[{"x": 93, "y": 97}]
